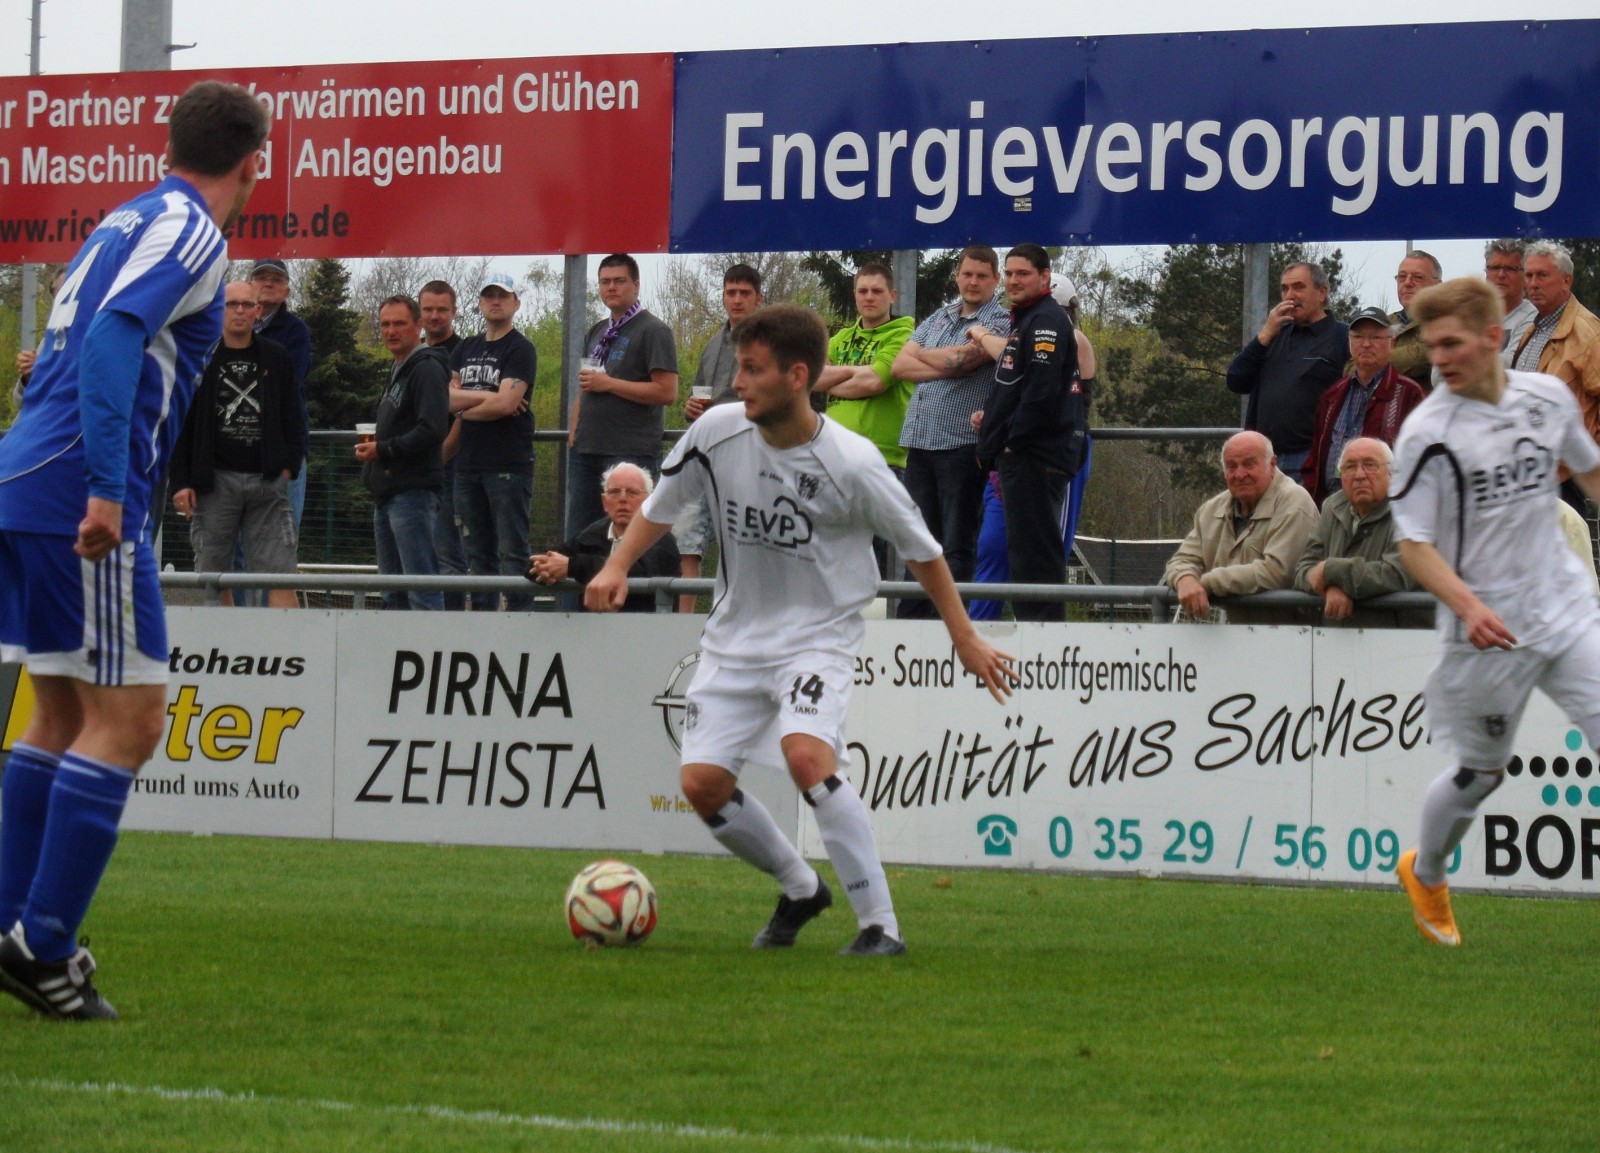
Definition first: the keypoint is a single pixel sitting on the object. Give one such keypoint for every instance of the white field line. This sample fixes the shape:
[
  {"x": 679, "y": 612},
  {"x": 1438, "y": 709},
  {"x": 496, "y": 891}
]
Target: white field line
[{"x": 490, "y": 1117}]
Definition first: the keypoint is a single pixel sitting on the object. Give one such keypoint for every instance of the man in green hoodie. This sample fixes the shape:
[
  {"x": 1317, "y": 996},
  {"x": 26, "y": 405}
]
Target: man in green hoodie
[{"x": 862, "y": 394}]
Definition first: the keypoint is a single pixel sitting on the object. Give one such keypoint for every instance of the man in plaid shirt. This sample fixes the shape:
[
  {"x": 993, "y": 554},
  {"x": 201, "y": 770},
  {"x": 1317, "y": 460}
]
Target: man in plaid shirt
[{"x": 954, "y": 378}]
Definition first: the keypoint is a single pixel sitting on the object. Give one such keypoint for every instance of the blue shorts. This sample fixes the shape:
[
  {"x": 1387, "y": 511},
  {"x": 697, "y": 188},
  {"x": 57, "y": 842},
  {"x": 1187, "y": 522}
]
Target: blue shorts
[{"x": 65, "y": 617}]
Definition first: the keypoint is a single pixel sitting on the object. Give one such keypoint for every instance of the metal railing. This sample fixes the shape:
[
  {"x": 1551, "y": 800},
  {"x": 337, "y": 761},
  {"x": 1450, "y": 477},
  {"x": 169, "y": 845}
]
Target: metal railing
[
  {"x": 1158, "y": 600},
  {"x": 337, "y": 525}
]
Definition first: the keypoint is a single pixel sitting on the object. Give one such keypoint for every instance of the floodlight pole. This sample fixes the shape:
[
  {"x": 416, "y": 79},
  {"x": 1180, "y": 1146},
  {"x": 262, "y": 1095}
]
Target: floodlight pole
[
  {"x": 903, "y": 263},
  {"x": 1257, "y": 265},
  {"x": 147, "y": 36},
  {"x": 574, "y": 313},
  {"x": 28, "y": 321}
]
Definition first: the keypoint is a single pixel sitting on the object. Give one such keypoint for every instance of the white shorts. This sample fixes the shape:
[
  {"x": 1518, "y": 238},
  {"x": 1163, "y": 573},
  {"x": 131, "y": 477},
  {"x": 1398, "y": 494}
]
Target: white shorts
[
  {"x": 736, "y": 714},
  {"x": 1476, "y": 697}
]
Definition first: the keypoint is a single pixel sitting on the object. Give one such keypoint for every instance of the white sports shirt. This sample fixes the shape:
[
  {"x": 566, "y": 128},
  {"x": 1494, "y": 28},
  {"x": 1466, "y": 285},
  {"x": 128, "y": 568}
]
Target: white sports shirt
[
  {"x": 796, "y": 530},
  {"x": 1479, "y": 482}
]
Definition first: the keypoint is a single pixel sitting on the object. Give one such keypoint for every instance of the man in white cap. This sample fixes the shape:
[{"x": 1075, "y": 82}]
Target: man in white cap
[{"x": 491, "y": 376}]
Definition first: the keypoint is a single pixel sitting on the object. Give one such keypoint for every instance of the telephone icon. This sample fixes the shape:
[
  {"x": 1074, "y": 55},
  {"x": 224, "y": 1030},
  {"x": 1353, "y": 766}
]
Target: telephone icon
[{"x": 996, "y": 831}]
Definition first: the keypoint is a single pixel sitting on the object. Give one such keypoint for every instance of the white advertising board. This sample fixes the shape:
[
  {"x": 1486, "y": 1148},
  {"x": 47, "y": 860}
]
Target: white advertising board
[
  {"x": 248, "y": 746},
  {"x": 1238, "y": 752},
  {"x": 546, "y": 729},
  {"x": 1244, "y": 752}
]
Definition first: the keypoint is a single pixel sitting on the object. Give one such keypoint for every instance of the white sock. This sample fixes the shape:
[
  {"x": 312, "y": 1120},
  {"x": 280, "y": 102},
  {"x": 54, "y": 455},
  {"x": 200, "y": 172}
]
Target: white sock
[
  {"x": 1448, "y": 809},
  {"x": 747, "y": 830},
  {"x": 847, "y": 833}
]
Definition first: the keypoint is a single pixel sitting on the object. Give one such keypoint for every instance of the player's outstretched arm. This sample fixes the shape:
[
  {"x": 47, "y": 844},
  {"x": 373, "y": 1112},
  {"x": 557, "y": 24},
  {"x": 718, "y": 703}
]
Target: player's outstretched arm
[
  {"x": 993, "y": 667},
  {"x": 1485, "y": 629},
  {"x": 607, "y": 592}
]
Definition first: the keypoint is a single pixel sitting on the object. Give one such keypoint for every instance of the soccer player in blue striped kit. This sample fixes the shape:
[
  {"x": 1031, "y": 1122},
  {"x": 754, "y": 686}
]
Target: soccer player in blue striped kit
[{"x": 80, "y": 602}]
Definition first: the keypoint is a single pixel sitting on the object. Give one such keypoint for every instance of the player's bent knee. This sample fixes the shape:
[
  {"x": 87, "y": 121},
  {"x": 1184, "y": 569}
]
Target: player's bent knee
[
  {"x": 1479, "y": 783},
  {"x": 707, "y": 788},
  {"x": 122, "y": 725},
  {"x": 810, "y": 760}
]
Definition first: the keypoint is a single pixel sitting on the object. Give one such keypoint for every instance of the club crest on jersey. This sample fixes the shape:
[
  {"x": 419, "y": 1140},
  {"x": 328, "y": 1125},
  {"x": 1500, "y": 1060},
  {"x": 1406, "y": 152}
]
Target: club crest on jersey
[
  {"x": 1536, "y": 415},
  {"x": 1527, "y": 471},
  {"x": 807, "y": 485},
  {"x": 1495, "y": 725},
  {"x": 785, "y": 525}
]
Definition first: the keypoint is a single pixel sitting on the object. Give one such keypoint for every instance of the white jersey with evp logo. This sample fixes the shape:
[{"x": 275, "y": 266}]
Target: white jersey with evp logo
[
  {"x": 795, "y": 528},
  {"x": 1479, "y": 482}
]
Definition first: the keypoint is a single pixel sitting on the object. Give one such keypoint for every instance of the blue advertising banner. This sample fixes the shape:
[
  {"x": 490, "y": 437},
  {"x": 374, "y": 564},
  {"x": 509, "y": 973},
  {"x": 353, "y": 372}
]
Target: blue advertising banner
[{"x": 1311, "y": 134}]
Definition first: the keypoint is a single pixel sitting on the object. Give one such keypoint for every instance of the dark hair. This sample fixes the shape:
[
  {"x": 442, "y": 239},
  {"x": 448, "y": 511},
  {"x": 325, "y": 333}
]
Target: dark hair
[
  {"x": 438, "y": 288},
  {"x": 742, "y": 274},
  {"x": 795, "y": 334},
  {"x": 214, "y": 126},
  {"x": 874, "y": 268},
  {"x": 402, "y": 298},
  {"x": 622, "y": 260},
  {"x": 1034, "y": 254},
  {"x": 980, "y": 252},
  {"x": 1317, "y": 273}
]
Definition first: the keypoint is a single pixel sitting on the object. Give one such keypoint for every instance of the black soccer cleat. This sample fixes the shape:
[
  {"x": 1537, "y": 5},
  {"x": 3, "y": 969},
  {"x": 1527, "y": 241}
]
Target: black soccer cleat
[
  {"x": 791, "y": 916},
  {"x": 873, "y": 942},
  {"x": 59, "y": 989}
]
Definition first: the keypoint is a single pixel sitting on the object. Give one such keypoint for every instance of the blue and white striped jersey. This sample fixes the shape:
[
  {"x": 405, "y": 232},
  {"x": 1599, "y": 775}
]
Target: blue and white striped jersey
[{"x": 161, "y": 261}]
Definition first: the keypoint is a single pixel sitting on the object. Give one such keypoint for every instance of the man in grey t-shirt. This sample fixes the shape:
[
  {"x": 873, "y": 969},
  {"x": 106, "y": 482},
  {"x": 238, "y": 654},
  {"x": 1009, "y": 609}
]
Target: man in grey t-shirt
[{"x": 618, "y": 417}]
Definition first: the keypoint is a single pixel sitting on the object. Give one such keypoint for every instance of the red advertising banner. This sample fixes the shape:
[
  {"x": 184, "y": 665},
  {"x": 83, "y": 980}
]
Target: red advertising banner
[{"x": 564, "y": 154}]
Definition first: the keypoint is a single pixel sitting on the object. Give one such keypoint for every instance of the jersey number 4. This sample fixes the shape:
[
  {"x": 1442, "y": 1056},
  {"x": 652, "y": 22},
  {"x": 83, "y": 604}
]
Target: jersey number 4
[{"x": 65, "y": 309}]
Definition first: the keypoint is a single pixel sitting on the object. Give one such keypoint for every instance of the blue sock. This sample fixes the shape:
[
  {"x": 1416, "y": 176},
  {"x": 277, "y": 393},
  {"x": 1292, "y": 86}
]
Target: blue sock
[
  {"x": 79, "y": 836},
  {"x": 24, "y": 805}
]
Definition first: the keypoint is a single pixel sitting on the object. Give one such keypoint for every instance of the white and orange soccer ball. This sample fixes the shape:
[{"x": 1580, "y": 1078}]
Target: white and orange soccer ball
[{"x": 611, "y": 903}]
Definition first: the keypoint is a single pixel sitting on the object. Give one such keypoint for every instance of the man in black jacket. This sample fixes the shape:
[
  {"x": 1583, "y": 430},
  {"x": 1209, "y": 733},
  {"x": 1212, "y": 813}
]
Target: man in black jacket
[
  {"x": 270, "y": 278},
  {"x": 623, "y": 488},
  {"x": 241, "y": 445},
  {"x": 1034, "y": 426},
  {"x": 402, "y": 466}
]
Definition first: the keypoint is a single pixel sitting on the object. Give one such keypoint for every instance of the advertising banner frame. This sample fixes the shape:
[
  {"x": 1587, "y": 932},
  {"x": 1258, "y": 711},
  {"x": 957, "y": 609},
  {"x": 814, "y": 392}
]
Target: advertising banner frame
[{"x": 1109, "y": 140}]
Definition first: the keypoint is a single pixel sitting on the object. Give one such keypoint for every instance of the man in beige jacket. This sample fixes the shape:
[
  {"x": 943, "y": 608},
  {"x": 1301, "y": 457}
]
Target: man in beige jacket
[
  {"x": 1564, "y": 341},
  {"x": 1247, "y": 539}
]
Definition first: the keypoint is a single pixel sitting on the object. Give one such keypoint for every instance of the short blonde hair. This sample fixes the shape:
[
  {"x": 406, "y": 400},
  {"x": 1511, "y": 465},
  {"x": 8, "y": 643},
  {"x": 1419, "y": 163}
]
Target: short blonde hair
[{"x": 1474, "y": 302}]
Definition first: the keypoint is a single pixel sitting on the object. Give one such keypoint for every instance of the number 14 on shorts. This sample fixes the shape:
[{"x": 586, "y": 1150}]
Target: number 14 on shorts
[{"x": 808, "y": 688}]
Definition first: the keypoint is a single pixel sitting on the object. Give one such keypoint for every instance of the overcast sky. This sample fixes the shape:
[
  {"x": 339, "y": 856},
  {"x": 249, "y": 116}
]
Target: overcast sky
[{"x": 83, "y": 36}]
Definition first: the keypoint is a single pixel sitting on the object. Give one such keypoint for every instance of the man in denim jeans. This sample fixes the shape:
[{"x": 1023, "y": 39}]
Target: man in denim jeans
[
  {"x": 492, "y": 375},
  {"x": 630, "y": 376},
  {"x": 402, "y": 467}
]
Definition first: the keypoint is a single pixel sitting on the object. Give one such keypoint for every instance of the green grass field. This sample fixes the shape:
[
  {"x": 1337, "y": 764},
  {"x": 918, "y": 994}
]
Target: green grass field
[{"x": 283, "y": 995}]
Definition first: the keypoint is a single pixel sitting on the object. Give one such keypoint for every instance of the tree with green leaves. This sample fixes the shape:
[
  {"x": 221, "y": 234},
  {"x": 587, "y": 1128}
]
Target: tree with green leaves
[
  {"x": 936, "y": 273},
  {"x": 1190, "y": 298},
  {"x": 1585, "y": 271},
  {"x": 345, "y": 377},
  {"x": 342, "y": 389}
]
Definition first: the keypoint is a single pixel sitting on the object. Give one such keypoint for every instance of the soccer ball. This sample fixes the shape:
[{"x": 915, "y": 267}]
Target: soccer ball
[{"x": 611, "y": 903}]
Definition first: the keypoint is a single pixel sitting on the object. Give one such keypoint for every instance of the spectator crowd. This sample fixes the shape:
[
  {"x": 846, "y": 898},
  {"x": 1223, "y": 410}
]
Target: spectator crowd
[
  {"x": 981, "y": 410},
  {"x": 1307, "y": 486}
]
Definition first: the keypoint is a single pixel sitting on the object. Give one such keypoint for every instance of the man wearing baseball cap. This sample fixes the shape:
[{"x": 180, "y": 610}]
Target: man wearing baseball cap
[
  {"x": 1371, "y": 401},
  {"x": 270, "y": 277},
  {"x": 491, "y": 378}
]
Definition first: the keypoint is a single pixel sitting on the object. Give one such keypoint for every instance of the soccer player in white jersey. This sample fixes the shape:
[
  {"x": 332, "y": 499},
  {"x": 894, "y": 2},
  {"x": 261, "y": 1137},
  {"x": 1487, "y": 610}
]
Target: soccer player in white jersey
[
  {"x": 1475, "y": 492},
  {"x": 797, "y": 499},
  {"x": 80, "y": 602}
]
